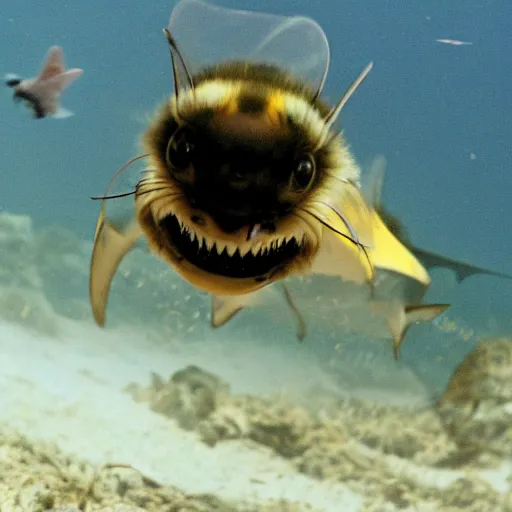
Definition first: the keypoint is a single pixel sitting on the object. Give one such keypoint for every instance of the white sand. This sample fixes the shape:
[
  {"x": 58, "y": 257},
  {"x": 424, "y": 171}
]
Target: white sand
[{"x": 68, "y": 390}]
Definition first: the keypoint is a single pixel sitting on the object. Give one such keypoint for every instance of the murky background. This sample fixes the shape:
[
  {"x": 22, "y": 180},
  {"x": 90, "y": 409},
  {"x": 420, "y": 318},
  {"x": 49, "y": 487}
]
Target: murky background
[{"x": 441, "y": 116}]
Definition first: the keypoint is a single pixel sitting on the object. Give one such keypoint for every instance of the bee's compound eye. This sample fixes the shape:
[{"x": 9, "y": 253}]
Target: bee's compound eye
[
  {"x": 304, "y": 171},
  {"x": 179, "y": 151}
]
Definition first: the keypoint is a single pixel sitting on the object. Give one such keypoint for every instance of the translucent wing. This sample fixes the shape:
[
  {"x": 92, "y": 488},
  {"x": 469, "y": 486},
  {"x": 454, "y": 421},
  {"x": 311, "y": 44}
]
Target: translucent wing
[
  {"x": 117, "y": 232},
  {"x": 207, "y": 34}
]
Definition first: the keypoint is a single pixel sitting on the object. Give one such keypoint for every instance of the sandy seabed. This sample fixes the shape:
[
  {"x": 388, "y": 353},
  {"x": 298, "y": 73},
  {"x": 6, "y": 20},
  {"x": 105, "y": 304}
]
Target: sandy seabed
[
  {"x": 66, "y": 397},
  {"x": 86, "y": 427},
  {"x": 124, "y": 419}
]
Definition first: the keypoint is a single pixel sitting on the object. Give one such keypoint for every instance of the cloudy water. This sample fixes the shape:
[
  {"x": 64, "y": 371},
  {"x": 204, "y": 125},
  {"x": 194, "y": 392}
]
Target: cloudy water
[{"x": 297, "y": 402}]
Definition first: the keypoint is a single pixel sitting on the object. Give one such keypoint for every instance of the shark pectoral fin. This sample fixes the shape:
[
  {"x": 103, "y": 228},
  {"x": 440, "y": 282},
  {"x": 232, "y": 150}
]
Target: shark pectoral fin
[
  {"x": 339, "y": 257},
  {"x": 347, "y": 239},
  {"x": 462, "y": 270},
  {"x": 400, "y": 323},
  {"x": 110, "y": 246},
  {"x": 225, "y": 307}
]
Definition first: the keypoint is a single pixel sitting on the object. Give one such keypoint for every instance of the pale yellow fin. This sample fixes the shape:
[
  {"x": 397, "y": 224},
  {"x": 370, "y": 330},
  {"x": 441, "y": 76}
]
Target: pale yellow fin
[
  {"x": 347, "y": 240},
  {"x": 388, "y": 253},
  {"x": 225, "y": 307},
  {"x": 400, "y": 323},
  {"x": 110, "y": 246}
]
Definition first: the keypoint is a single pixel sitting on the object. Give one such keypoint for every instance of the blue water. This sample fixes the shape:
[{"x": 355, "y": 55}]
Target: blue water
[{"x": 426, "y": 106}]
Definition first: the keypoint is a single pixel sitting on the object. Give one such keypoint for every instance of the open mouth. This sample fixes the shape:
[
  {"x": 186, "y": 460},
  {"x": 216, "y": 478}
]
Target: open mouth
[{"x": 217, "y": 260}]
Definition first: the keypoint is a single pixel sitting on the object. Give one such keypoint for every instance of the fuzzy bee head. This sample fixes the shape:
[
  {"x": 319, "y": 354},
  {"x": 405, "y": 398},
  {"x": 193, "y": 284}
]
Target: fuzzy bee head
[{"x": 238, "y": 157}]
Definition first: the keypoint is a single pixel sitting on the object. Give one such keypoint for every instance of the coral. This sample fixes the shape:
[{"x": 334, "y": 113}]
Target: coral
[
  {"x": 196, "y": 399},
  {"x": 37, "y": 478},
  {"x": 476, "y": 407},
  {"x": 40, "y": 478}
]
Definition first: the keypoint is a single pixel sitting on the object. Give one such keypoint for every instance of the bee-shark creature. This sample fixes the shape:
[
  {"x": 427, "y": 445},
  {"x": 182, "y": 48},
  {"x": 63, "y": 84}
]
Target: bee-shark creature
[
  {"x": 42, "y": 93},
  {"x": 247, "y": 181}
]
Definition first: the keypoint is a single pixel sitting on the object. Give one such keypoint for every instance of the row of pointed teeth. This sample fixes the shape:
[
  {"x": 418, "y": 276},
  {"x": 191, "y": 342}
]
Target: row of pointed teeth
[{"x": 231, "y": 248}]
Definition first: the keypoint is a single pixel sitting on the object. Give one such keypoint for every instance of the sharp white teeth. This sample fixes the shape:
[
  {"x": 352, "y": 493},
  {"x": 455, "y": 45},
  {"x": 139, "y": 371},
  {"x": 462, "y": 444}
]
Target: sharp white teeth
[
  {"x": 256, "y": 249},
  {"x": 245, "y": 250},
  {"x": 210, "y": 242},
  {"x": 231, "y": 249},
  {"x": 221, "y": 246}
]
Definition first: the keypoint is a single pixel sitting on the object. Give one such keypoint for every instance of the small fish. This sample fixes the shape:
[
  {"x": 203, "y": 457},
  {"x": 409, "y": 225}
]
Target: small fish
[
  {"x": 41, "y": 93},
  {"x": 453, "y": 42}
]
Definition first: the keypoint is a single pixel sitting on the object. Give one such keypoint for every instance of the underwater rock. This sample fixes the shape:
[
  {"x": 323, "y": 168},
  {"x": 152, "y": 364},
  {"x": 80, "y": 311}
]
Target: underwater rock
[
  {"x": 199, "y": 400},
  {"x": 476, "y": 407},
  {"x": 227, "y": 422},
  {"x": 189, "y": 396},
  {"x": 283, "y": 429},
  {"x": 287, "y": 430},
  {"x": 204, "y": 404},
  {"x": 472, "y": 495},
  {"x": 389, "y": 453}
]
